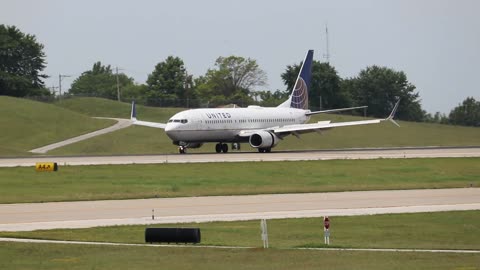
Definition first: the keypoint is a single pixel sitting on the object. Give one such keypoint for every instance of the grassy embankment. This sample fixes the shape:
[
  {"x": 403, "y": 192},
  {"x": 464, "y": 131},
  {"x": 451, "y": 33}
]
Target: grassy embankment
[
  {"x": 26, "y": 125},
  {"x": 178, "y": 180},
  {"x": 29, "y": 124}
]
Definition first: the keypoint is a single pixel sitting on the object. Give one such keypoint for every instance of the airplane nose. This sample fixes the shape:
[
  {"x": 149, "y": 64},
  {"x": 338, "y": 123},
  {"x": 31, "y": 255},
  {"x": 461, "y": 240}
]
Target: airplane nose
[{"x": 168, "y": 127}]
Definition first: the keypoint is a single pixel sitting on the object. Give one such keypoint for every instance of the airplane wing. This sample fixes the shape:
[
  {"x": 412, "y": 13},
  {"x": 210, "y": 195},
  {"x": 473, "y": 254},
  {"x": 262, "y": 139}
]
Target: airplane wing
[
  {"x": 133, "y": 117},
  {"x": 321, "y": 125}
]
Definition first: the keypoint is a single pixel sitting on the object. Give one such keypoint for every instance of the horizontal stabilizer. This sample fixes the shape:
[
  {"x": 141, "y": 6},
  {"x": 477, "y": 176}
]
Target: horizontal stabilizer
[{"x": 133, "y": 118}]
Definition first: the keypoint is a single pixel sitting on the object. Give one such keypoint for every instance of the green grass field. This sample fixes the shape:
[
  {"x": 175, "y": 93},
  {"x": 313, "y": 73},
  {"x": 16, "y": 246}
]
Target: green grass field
[
  {"x": 26, "y": 125},
  {"x": 35, "y": 124},
  {"x": 177, "y": 180},
  {"x": 440, "y": 230},
  {"x": 62, "y": 256}
]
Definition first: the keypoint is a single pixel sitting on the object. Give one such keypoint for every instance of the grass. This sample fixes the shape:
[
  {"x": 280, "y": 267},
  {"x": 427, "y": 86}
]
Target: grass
[
  {"x": 70, "y": 117},
  {"x": 440, "y": 230},
  {"x": 62, "y": 256},
  {"x": 23, "y": 184},
  {"x": 29, "y": 124},
  {"x": 99, "y": 107}
]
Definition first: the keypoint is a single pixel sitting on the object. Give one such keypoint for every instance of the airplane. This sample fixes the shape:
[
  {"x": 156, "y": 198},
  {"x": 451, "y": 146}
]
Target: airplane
[{"x": 262, "y": 127}]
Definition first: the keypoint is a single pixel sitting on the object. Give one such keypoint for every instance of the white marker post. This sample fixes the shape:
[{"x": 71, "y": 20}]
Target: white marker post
[
  {"x": 263, "y": 226},
  {"x": 326, "y": 229}
]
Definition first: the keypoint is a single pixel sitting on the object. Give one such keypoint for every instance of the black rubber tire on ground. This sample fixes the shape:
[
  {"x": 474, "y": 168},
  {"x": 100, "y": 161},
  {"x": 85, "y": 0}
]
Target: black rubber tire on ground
[
  {"x": 218, "y": 148},
  {"x": 224, "y": 148}
]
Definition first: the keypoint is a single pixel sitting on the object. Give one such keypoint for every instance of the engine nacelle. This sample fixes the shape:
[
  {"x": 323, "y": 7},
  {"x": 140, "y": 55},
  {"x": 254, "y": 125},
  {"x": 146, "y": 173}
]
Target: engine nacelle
[{"x": 263, "y": 139}]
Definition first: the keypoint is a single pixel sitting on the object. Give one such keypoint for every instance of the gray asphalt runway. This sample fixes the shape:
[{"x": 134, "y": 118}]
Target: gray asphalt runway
[
  {"x": 25, "y": 217},
  {"x": 431, "y": 152}
]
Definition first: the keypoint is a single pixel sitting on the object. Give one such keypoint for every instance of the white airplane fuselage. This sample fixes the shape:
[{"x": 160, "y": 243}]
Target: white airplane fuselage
[{"x": 224, "y": 125}]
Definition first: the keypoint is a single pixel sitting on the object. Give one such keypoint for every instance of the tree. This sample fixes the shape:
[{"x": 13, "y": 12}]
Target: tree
[
  {"x": 467, "y": 113},
  {"x": 233, "y": 80},
  {"x": 379, "y": 88},
  {"x": 325, "y": 84},
  {"x": 272, "y": 99},
  {"x": 21, "y": 62},
  {"x": 99, "y": 81},
  {"x": 168, "y": 81}
]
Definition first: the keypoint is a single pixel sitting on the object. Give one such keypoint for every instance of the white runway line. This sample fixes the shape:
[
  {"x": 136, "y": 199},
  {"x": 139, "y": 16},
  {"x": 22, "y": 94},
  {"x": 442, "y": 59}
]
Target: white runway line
[
  {"x": 84, "y": 214},
  {"x": 372, "y": 153},
  {"x": 22, "y": 240}
]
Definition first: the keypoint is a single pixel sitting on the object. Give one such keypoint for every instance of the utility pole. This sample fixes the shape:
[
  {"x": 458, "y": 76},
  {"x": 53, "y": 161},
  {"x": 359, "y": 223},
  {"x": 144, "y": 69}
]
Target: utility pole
[
  {"x": 53, "y": 89},
  {"x": 118, "y": 85},
  {"x": 60, "y": 77}
]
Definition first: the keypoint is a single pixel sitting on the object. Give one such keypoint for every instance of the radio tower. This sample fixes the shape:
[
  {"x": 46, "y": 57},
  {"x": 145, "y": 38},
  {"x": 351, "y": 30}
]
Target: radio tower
[{"x": 327, "y": 54}]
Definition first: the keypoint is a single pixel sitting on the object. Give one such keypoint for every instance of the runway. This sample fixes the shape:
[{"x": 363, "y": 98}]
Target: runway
[
  {"x": 26, "y": 217},
  {"x": 369, "y": 153}
]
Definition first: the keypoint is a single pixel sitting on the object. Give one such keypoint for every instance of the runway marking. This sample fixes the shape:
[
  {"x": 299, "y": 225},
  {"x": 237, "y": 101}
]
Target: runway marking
[
  {"x": 42, "y": 241},
  {"x": 371, "y": 153}
]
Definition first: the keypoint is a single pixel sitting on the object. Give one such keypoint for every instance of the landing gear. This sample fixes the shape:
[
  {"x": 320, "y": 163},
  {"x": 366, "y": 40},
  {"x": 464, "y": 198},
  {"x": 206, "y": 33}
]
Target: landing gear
[
  {"x": 264, "y": 150},
  {"x": 221, "y": 147},
  {"x": 182, "y": 149}
]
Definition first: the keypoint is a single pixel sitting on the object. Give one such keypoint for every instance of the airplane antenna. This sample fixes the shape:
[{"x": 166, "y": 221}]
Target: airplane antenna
[{"x": 327, "y": 54}]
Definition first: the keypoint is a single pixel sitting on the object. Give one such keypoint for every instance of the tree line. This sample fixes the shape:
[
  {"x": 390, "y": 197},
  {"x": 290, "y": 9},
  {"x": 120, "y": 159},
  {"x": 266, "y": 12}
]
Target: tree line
[{"x": 231, "y": 80}]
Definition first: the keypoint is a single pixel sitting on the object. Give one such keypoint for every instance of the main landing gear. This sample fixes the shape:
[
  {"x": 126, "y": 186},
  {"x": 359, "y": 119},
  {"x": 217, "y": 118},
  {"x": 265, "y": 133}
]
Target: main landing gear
[
  {"x": 182, "y": 149},
  {"x": 221, "y": 147},
  {"x": 264, "y": 150}
]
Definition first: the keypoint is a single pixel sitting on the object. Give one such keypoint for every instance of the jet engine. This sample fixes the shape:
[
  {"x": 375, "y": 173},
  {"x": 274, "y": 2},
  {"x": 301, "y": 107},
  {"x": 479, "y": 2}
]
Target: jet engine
[{"x": 263, "y": 139}]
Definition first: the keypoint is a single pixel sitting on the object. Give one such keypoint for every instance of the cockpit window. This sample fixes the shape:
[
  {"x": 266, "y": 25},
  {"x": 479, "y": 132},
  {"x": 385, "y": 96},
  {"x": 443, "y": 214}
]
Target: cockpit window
[{"x": 183, "y": 121}]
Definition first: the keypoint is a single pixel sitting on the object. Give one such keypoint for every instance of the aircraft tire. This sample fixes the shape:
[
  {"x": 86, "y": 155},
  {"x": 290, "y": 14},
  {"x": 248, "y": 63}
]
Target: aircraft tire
[{"x": 224, "y": 148}]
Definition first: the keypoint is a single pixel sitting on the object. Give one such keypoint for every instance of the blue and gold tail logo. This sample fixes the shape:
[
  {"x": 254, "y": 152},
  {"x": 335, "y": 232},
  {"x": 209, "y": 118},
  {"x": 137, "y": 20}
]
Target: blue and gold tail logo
[{"x": 299, "y": 97}]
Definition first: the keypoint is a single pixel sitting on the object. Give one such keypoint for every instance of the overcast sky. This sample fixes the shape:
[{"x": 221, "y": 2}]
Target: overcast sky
[{"x": 436, "y": 43}]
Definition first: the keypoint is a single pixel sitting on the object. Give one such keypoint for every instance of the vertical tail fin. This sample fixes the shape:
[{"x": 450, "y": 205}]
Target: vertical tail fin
[{"x": 299, "y": 96}]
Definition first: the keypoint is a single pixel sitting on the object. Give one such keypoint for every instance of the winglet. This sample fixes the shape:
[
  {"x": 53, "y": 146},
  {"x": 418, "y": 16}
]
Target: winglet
[
  {"x": 133, "y": 114},
  {"x": 392, "y": 114}
]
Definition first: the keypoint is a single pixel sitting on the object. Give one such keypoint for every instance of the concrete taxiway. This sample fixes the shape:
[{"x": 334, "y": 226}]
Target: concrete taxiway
[
  {"x": 35, "y": 216},
  {"x": 121, "y": 123},
  {"x": 369, "y": 153}
]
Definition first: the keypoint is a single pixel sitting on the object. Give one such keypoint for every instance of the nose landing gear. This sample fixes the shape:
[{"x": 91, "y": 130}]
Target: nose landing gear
[{"x": 182, "y": 149}]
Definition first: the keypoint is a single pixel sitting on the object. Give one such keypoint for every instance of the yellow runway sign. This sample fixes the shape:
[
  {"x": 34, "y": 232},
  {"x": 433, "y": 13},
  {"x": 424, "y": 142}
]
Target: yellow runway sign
[{"x": 46, "y": 166}]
